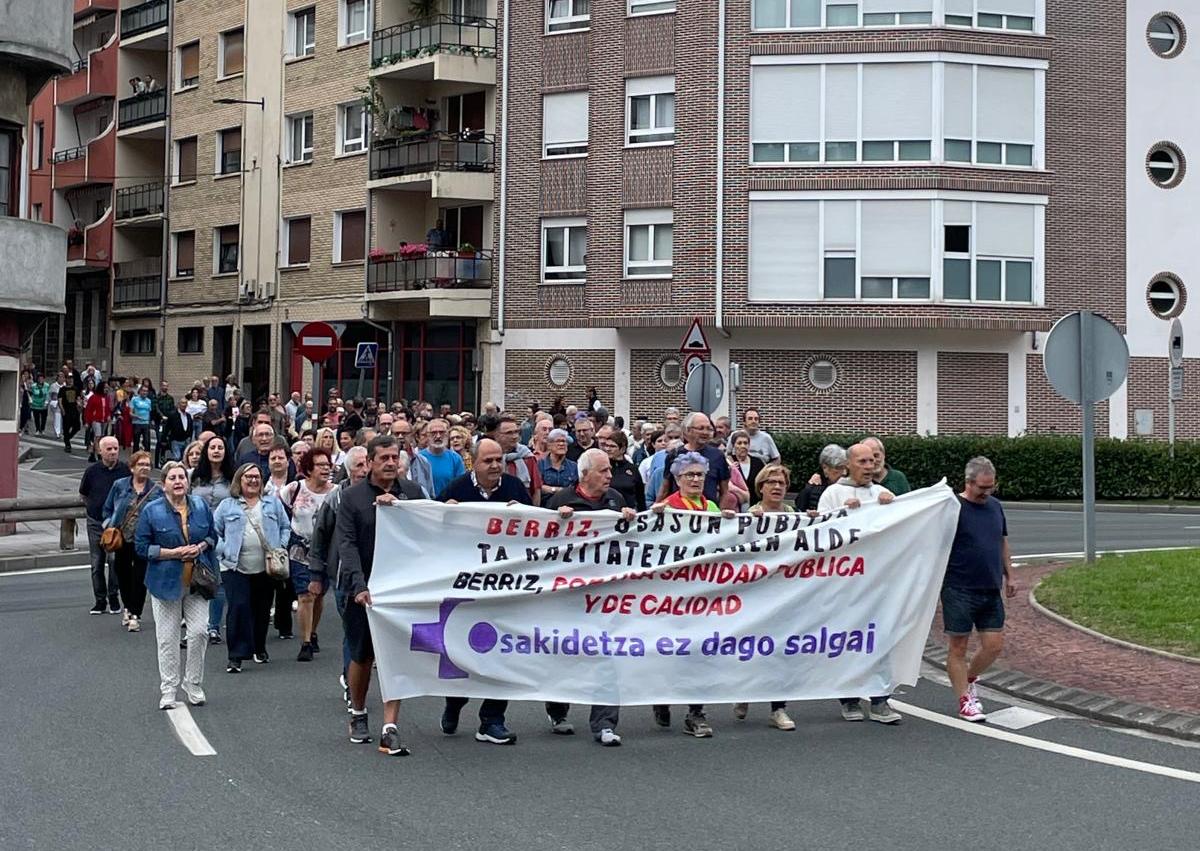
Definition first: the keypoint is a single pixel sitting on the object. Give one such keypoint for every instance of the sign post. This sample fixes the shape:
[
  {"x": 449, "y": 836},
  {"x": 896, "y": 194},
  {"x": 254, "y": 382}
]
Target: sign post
[
  {"x": 366, "y": 355},
  {"x": 1086, "y": 360},
  {"x": 317, "y": 341},
  {"x": 705, "y": 388}
]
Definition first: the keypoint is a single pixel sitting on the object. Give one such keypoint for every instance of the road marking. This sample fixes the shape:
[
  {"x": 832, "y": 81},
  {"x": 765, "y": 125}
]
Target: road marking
[
  {"x": 188, "y": 732},
  {"x": 31, "y": 571},
  {"x": 1102, "y": 552},
  {"x": 1017, "y": 718},
  {"x": 1050, "y": 747}
]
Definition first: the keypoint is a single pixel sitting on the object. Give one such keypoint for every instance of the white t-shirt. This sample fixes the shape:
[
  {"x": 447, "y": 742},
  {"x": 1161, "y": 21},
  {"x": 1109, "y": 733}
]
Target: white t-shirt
[
  {"x": 252, "y": 558},
  {"x": 838, "y": 494}
]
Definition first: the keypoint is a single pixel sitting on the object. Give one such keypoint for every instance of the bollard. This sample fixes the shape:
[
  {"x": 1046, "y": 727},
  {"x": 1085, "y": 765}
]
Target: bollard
[{"x": 66, "y": 534}]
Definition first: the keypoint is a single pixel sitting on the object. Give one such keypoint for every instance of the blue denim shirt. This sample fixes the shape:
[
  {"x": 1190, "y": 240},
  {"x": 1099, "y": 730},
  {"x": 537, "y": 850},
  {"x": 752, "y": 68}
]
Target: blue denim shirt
[
  {"x": 121, "y": 497},
  {"x": 563, "y": 477},
  {"x": 230, "y": 524},
  {"x": 160, "y": 528}
]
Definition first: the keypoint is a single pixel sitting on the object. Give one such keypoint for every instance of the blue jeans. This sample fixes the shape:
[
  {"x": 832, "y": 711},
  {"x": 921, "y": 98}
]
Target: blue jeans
[
  {"x": 339, "y": 601},
  {"x": 177, "y": 447},
  {"x": 216, "y": 609}
]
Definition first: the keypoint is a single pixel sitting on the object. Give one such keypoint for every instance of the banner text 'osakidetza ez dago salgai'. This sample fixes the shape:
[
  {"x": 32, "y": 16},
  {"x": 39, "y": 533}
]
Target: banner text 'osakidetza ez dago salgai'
[{"x": 481, "y": 600}]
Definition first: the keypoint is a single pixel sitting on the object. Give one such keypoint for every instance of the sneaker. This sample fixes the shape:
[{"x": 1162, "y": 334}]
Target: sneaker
[
  {"x": 360, "y": 731},
  {"x": 305, "y": 654},
  {"x": 390, "y": 744},
  {"x": 740, "y": 710},
  {"x": 973, "y": 688},
  {"x": 195, "y": 695},
  {"x": 262, "y": 658},
  {"x": 780, "y": 720},
  {"x": 214, "y": 636},
  {"x": 286, "y": 636},
  {"x": 970, "y": 709},
  {"x": 115, "y": 608},
  {"x": 662, "y": 716},
  {"x": 167, "y": 701},
  {"x": 450, "y": 719},
  {"x": 884, "y": 714},
  {"x": 234, "y": 666},
  {"x": 124, "y": 617},
  {"x": 345, "y": 690},
  {"x": 608, "y": 738},
  {"x": 313, "y": 641},
  {"x": 698, "y": 726},
  {"x": 134, "y": 624},
  {"x": 496, "y": 734},
  {"x": 183, "y": 642},
  {"x": 853, "y": 712},
  {"x": 98, "y": 609},
  {"x": 561, "y": 726}
]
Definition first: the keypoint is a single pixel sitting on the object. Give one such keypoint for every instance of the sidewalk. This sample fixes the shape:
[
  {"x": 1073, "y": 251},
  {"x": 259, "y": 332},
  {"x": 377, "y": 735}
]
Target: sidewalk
[
  {"x": 37, "y": 544},
  {"x": 1051, "y": 663}
]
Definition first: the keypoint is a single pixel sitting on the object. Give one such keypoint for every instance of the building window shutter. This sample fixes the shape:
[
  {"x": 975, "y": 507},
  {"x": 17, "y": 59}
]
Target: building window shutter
[
  {"x": 299, "y": 231},
  {"x": 1004, "y": 230},
  {"x": 841, "y": 225},
  {"x": 785, "y": 103},
  {"x": 959, "y": 99},
  {"x": 841, "y": 103},
  {"x": 896, "y": 239},
  {"x": 565, "y": 121},
  {"x": 354, "y": 235},
  {"x": 897, "y": 100},
  {"x": 187, "y": 159},
  {"x": 233, "y": 61},
  {"x": 1006, "y": 104},
  {"x": 185, "y": 252},
  {"x": 189, "y": 61},
  {"x": 1025, "y": 8},
  {"x": 784, "y": 251}
]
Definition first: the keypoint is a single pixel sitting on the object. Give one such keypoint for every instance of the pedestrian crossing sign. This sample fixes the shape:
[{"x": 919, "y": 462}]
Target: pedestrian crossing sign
[{"x": 366, "y": 355}]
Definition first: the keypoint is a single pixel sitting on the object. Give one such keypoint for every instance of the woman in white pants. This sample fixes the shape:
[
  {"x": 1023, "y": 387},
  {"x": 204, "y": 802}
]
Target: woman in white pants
[{"x": 174, "y": 535}]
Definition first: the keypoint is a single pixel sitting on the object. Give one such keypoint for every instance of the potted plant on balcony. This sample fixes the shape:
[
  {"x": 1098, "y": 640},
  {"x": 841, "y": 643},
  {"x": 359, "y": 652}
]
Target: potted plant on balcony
[
  {"x": 466, "y": 251},
  {"x": 379, "y": 255},
  {"x": 412, "y": 250}
]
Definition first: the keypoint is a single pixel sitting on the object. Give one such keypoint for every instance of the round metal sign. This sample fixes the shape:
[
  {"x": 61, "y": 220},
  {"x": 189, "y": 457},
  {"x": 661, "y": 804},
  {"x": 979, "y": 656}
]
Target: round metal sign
[
  {"x": 317, "y": 341},
  {"x": 1063, "y": 357},
  {"x": 705, "y": 388}
]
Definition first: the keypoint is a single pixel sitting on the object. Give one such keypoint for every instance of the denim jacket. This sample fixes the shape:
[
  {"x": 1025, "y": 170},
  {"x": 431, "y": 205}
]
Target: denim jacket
[
  {"x": 159, "y": 528},
  {"x": 231, "y": 526},
  {"x": 121, "y": 498}
]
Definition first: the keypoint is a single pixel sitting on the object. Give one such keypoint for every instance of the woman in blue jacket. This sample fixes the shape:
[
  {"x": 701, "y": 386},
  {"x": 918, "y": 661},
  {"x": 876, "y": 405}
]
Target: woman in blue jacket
[
  {"x": 126, "y": 500},
  {"x": 248, "y": 523},
  {"x": 175, "y": 533}
]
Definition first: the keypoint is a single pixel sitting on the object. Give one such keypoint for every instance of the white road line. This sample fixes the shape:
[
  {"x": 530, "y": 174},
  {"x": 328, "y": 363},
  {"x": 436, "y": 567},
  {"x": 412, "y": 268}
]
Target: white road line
[
  {"x": 1050, "y": 747},
  {"x": 1017, "y": 717},
  {"x": 34, "y": 570},
  {"x": 188, "y": 732},
  {"x": 1102, "y": 552}
]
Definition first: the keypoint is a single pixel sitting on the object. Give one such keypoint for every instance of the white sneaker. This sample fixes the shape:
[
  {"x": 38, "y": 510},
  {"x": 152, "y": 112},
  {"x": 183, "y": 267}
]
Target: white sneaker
[
  {"x": 134, "y": 624},
  {"x": 608, "y": 738},
  {"x": 195, "y": 695},
  {"x": 853, "y": 712},
  {"x": 884, "y": 714},
  {"x": 125, "y": 616},
  {"x": 780, "y": 720},
  {"x": 167, "y": 701},
  {"x": 973, "y": 689}
]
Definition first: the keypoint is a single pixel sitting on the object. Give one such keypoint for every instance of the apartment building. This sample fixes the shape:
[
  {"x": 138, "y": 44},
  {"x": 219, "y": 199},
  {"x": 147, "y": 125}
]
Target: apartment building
[{"x": 877, "y": 208}]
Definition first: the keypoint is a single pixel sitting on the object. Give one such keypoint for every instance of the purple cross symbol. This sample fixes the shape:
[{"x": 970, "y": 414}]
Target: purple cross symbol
[{"x": 431, "y": 638}]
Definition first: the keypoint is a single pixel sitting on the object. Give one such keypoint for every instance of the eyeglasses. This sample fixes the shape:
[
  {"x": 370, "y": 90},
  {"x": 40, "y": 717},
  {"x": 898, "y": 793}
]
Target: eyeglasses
[
  {"x": 778, "y": 482},
  {"x": 695, "y": 474}
]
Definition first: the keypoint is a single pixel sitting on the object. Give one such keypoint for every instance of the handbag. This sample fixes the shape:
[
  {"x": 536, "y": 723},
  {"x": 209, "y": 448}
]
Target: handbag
[
  {"x": 129, "y": 524},
  {"x": 111, "y": 539},
  {"x": 278, "y": 566},
  {"x": 204, "y": 580}
]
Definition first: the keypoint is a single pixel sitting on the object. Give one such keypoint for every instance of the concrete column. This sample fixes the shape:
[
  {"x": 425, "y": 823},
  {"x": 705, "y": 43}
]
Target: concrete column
[
  {"x": 1018, "y": 415},
  {"x": 927, "y": 391}
]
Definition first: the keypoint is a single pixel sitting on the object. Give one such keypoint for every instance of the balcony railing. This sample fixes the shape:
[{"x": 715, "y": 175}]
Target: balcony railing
[
  {"x": 142, "y": 109},
  {"x": 68, "y": 154},
  {"x": 139, "y": 19},
  {"x": 434, "y": 270},
  {"x": 436, "y": 152},
  {"x": 129, "y": 290},
  {"x": 146, "y": 199},
  {"x": 79, "y": 65},
  {"x": 463, "y": 35}
]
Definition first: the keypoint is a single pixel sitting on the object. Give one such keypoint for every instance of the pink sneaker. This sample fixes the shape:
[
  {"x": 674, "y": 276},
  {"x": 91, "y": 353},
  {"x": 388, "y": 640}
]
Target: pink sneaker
[{"x": 970, "y": 710}]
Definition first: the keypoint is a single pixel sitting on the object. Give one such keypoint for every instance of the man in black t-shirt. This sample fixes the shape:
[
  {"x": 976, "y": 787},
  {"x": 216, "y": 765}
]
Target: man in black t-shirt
[
  {"x": 97, "y": 481},
  {"x": 980, "y": 566}
]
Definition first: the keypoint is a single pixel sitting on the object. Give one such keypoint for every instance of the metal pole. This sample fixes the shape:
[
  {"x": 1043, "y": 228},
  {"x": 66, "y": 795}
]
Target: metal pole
[
  {"x": 317, "y": 407},
  {"x": 1087, "y": 370}
]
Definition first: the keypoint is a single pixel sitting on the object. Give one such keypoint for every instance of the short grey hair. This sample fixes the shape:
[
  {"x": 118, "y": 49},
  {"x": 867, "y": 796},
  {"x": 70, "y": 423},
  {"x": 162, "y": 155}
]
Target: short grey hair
[
  {"x": 590, "y": 459},
  {"x": 979, "y": 466},
  {"x": 557, "y": 434},
  {"x": 833, "y": 456},
  {"x": 688, "y": 459},
  {"x": 352, "y": 453},
  {"x": 690, "y": 419}
]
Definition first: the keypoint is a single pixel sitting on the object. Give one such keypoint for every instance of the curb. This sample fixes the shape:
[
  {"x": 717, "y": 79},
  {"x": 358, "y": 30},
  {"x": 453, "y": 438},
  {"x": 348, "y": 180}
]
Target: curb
[
  {"x": 1117, "y": 508},
  {"x": 1093, "y": 705},
  {"x": 68, "y": 558},
  {"x": 1128, "y": 645}
]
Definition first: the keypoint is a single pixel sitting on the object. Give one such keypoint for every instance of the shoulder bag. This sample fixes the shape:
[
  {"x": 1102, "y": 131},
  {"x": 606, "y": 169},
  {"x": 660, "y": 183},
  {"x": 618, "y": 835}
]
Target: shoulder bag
[
  {"x": 129, "y": 524},
  {"x": 278, "y": 566}
]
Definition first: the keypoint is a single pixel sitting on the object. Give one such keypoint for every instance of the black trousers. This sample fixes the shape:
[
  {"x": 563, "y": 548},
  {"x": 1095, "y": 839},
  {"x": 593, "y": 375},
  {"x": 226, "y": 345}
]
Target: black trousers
[
  {"x": 284, "y": 597},
  {"x": 600, "y": 718},
  {"x": 39, "y": 420},
  {"x": 248, "y": 612},
  {"x": 131, "y": 578},
  {"x": 70, "y": 424},
  {"x": 490, "y": 711}
]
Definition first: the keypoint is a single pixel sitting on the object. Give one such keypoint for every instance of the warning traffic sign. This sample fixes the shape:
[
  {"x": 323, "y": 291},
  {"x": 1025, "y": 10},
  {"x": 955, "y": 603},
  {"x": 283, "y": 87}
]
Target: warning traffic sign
[{"x": 695, "y": 341}]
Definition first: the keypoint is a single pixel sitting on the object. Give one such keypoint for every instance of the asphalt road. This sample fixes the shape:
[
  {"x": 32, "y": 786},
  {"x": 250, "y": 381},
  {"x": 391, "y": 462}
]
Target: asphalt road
[{"x": 91, "y": 763}]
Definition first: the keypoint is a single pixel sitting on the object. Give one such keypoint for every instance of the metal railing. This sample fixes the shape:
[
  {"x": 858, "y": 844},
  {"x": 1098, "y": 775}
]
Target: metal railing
[
  {"x": 79, "y": 65},
  {"x": 68, "y": 154},
  {"x": 435, "y": 270},
  {"x": 30, "y": 509},
  {"x": 138, "y": 291},
  {"x": 146, "y": 199},
  {"x": 142, "y": 109},
  {"x": 456, "y": 34},
  {"x": 143, "y": 18},
  {"x": 434, "y": 152}
]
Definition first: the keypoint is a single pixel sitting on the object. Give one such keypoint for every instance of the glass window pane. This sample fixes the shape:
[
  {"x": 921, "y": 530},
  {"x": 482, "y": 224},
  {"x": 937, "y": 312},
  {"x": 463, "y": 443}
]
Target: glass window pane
[
  {"x": 958, "y": 239},
  {"x": 956, "y": 279},
  {"x": 839, "y": 277},
  {"x": 554, "y": 247},
  {"x": 913, "y": 288},
  {"x": 876, "y": 287},
  {"x": 879, "y": 19},
  {"x": 958, "y": 151},
  {"x": 1019, "y": 154},
  {"x": 663, "y": 242},
  {"x": 578, "y": 245},
  {"x": 916, "y": 17},
  {"x": 560, "y": 8},
  {"x": 639, "y": 242},
  {"x": 915, "y": 151},
  {"x": 876, "y": 151},
  {"x": 987, "y": 20},
  {"x": 843, "y": 15},
  {"x": 770, "y": 13},
  {"x": 841, "y": 151},
  {"x": 1019, "y": 281},
  {"x": 1020, "y": 22},
  {"x": 806, "y": 13},
  {"x": 958, "y": 20},
  {"x": 989, "y": 153},
  {"x": 987, "y": 280},
  {"x": 664, "y": 110},
  {"x": 639, "y": 112},
  {"x": 768, "y": 153},
  {"x": 804, "y": 152}
]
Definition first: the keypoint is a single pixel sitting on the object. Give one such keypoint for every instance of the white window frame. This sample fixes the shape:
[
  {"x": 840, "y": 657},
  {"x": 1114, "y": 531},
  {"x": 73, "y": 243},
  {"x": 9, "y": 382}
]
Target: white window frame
[
  {"x": 175, "y": 181},
  {"x": 639, "y": 8},
  {"x": 285, "y": 247},
  {"x": 309, "y": 45},
  {"x": 652, "y": 220},
  {"x": 179, "y": 65},
  {"x": 566, "y": 149},
  {"x": 221, "y": 75},
  {"x": 348, "y": 145},
  {"x": 939, "y": 18},
  {"x": 218, "y": 160},
  {"x": 653, "y": 88},
  {"x": 347, "y": 37},
  {"x": 577, "y": 271},
  {"x": 306, "y": 151},
  {"x": 337, "y": 235},
  {"x": 573, "y": 22}
]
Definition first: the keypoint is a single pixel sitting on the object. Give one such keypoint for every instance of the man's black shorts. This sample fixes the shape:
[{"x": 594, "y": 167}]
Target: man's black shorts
[{"x": 358, "y": 632}]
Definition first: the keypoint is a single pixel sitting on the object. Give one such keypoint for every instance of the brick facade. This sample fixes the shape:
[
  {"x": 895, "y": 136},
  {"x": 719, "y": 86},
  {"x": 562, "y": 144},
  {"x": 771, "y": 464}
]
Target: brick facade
[
  {"x": 972, "y": 393},
  {"x": 527, "y": 377},
  {"x": 648, "y": 396},
  {"x": 1148, "y": 383},
  {"x": 1047, "y": 411}
]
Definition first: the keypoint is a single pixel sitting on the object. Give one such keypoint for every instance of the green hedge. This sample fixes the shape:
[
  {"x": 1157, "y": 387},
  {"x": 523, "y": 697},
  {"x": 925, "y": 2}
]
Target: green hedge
[{"x": 1037, "y": 467}]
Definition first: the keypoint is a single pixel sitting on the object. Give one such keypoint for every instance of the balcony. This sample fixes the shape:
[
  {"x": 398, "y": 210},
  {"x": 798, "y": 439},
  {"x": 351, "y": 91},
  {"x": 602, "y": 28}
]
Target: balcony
[
  {"x": 143, "y": 18},
  {"x": 452, "y": 48},
  {"x": 445, "y": 165},
  {"x": 84, "y": 6},
  {"x": 32, "y": 257},
  {"x": 134, "y": 202},
  {"x": 137, "y": 285},
  {"x": 453, "y": 282},
  {"x": 91, "y": 248},
  {"x": 141, "y": 110},
  {"x": 94, "y": 76},
  {"x": 86, "y": 164}
]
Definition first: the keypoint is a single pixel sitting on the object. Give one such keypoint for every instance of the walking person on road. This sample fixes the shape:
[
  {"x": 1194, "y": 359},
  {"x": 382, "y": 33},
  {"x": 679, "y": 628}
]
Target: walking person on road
[
  {"x": 173, "y": 534},
  {"x": 121, "y": 511},
  {"x": 211, "y": 481},
  {"x": 304, "y": 498},
  {"x": 97, "y": 416},
  {"x": 980, "y": 566},
  {"x": 178, "y": 429},
  {"x": 164, "y": 404},
  {"x": 39, "y": 401},
  {"x": 94, "y": 487},
  {"x": 140, "y": 409}
]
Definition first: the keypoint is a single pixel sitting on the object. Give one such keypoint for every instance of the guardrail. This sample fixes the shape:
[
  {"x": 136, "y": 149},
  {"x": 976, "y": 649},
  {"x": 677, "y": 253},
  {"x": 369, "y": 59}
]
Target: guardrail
[
  {"x": 460, "y": 34},
  {"x": 432, "y": 152},
  {"x": 143, "y": 18},
  {"x": 142, "y": 109},
  {"x": 31, "y": 509},
  {"x": 145, "y": 199}
]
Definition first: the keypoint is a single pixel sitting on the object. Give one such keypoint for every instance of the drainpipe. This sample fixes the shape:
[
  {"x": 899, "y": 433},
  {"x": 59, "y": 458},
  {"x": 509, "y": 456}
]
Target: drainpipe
[
  {"x": 165, "y": 252},
  {"x": 720, "y": 256},
  {"x": 387, "y": 329},
  {"x": 503, "y": 166}
]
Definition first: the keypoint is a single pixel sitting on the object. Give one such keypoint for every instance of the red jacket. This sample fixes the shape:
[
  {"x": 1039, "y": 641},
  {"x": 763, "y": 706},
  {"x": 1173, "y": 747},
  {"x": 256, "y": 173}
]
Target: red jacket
[{"x": 98, "y": 409}]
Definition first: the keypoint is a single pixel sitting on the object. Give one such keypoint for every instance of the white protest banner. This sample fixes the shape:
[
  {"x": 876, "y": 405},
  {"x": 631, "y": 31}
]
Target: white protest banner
[{"x": 480, "y": 600}]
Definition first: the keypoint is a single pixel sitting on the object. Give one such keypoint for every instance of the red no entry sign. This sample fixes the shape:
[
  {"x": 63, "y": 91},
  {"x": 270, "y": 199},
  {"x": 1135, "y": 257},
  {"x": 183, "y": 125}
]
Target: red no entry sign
[{"x": 317, "y": 341}]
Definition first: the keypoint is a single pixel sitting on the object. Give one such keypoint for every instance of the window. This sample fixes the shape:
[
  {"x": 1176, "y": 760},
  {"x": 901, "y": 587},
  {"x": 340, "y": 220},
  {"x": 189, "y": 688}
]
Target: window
[
  {"x": 895, "y": 19},
  {"x": 225, "y": 249},
  {"x": 229, "y": 151},
  {"x": 670, "y": 371},
  {"x": 300, "y": 137},
  {"x": 232, "y": 57},
  {"x": 1166, "y": 296},
  {"x": 564, "y": 250},
  {"x": 183, "y": 249},
  {"x": 566, "y": 15},
  {"x": 187, "y": 68},
  {"x": 354, "y": 19},
  {"x": 35, "y": 212},
  {"x": 352, "y": 128},
  {"x": 1005, "y": 15},
  {"x": 303, "y": 32},
  {"x": 1165, "y": 165},
  {"x": 296, "y": 234},
  {"x": 39, "y": 145},
  {"x": 10, "y": 170},
  {"x": 650, "y": 108},
  {"x": 138, "y": 341},
  {"x": 648, "y": 243},
  {"x": 1166, "y": 35},
  {"x": 191, "y": 340},
  {"x": 185, "y": 160},
  {"x": 350, "y": 236},
  {"x": 650, "y": 7},
  {"x": 565, "y": 124},
  {"x": 996, "y": 243},
  {"x": 995, "y": 105},
  {"x": 558, "y": 371}
]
